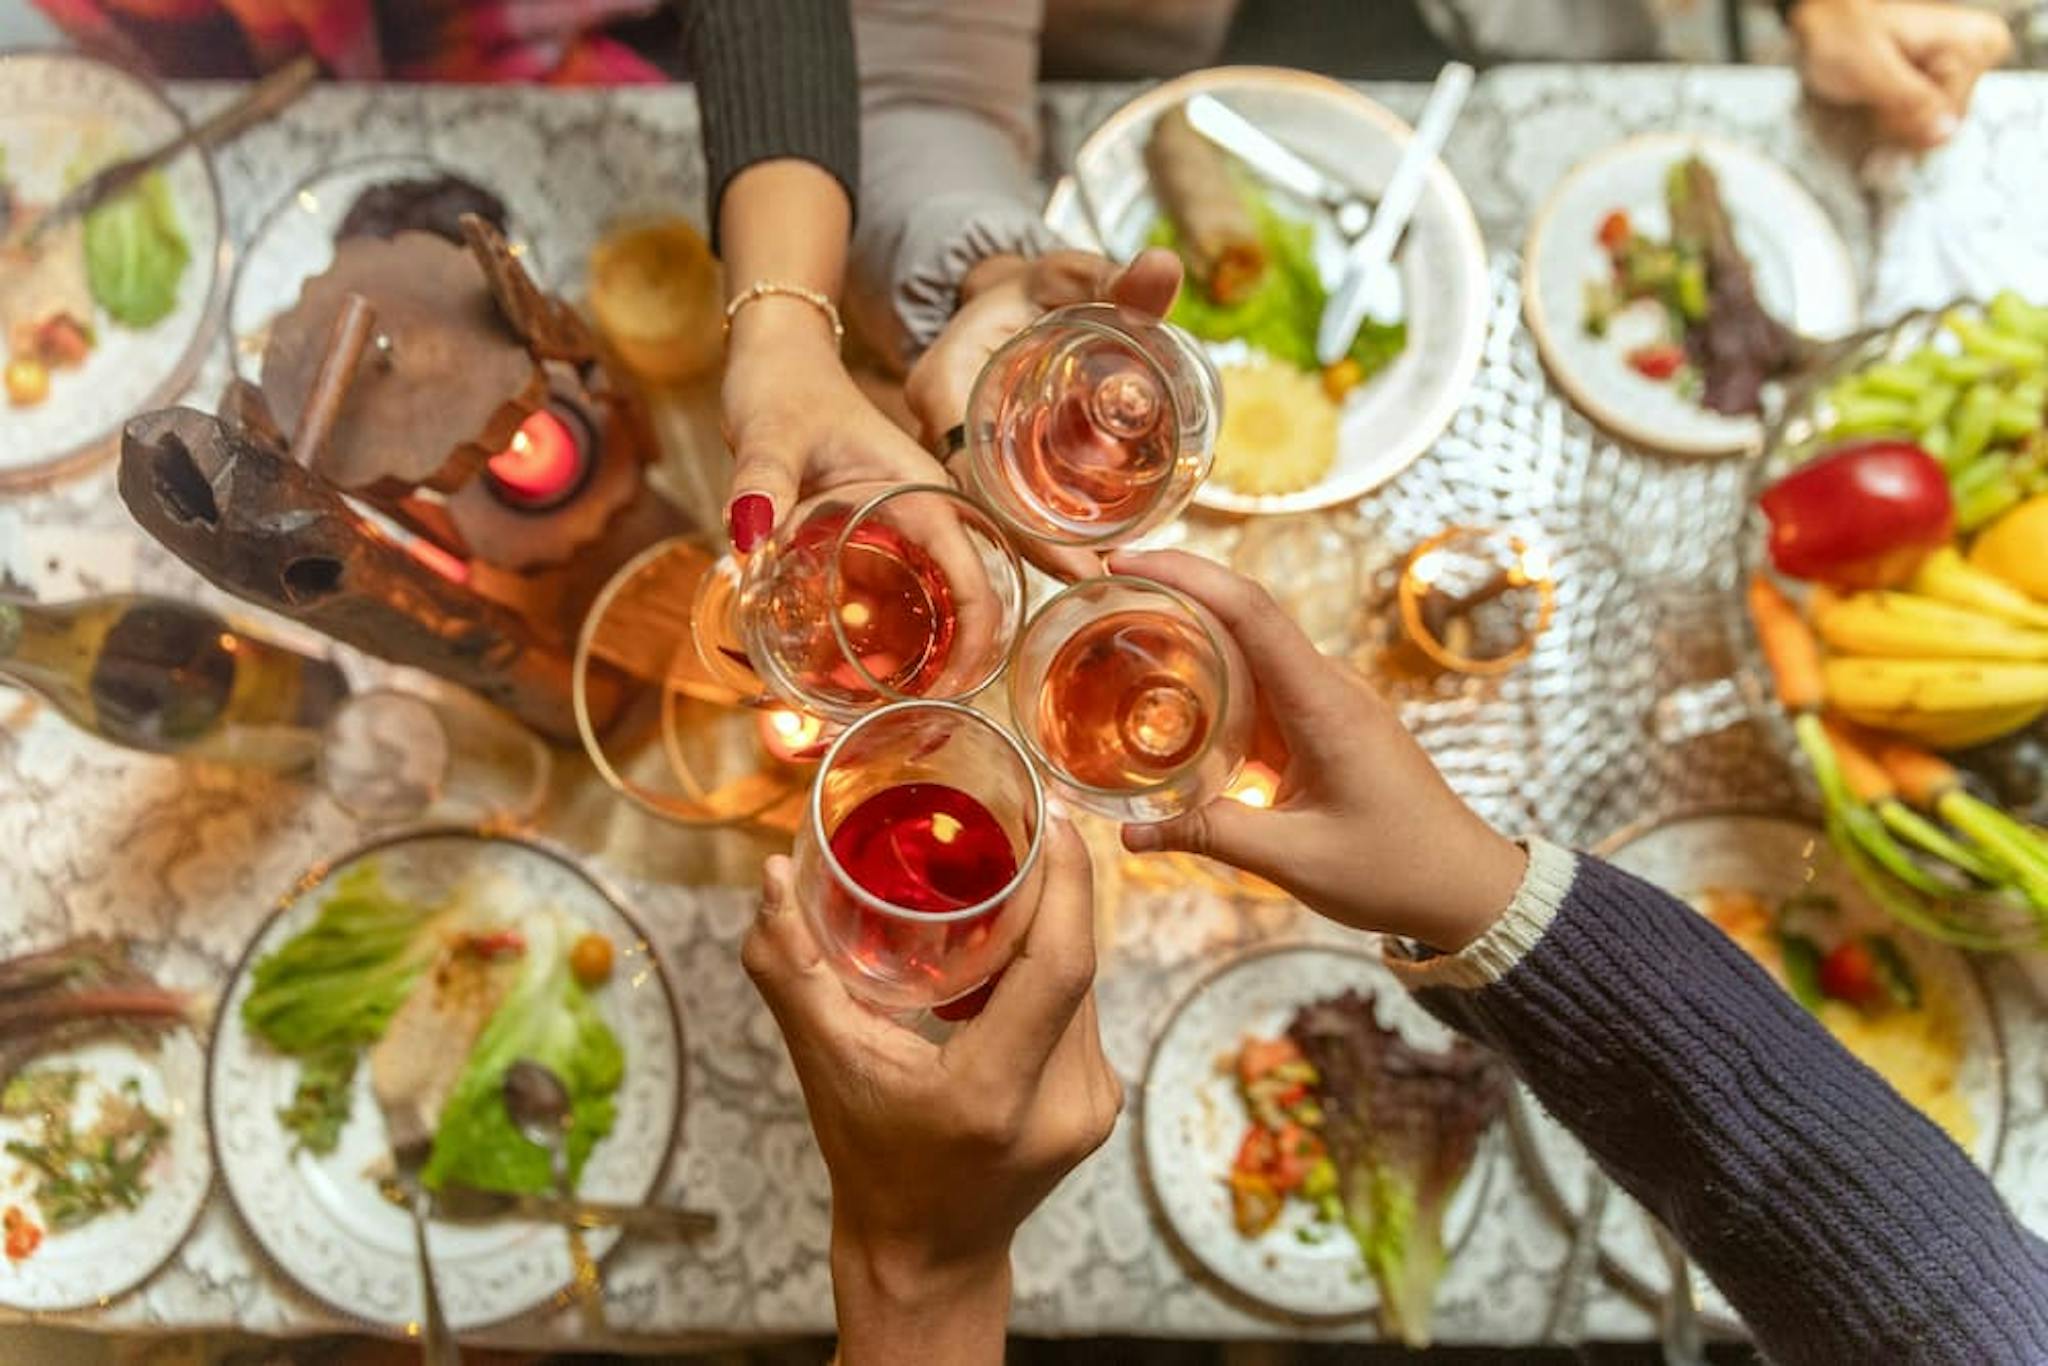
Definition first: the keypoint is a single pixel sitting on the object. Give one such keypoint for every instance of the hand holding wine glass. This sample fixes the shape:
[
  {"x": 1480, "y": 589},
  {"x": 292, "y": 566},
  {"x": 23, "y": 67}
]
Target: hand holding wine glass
[
  {"x": 1364, "y": 830},
  {"x": 938, "y": 1151}
]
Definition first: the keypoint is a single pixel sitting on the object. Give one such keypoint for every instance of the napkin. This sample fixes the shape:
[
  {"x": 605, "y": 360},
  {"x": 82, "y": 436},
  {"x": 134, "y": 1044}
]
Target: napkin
[{"x": 1963, "y": 221}]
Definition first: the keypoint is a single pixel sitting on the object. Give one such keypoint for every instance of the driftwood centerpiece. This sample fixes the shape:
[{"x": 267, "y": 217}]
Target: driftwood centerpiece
[
  {"x": 439, "y": 386},
  {"x": 276, "y": 535}
]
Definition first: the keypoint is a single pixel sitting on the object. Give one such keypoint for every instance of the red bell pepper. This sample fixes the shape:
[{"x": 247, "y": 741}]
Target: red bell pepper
[{"x": 1861, "y": 517}]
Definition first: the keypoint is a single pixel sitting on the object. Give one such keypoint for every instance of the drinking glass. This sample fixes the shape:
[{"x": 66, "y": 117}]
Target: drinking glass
[
  {"x": 1133, "y": 697},
  {"x": 661, "y": 730},
  {"x": 1474, "y": 599},
  {"x": 1092, "y": 427},
  {"x": 390, "y": 756},
  {"x": 917, "y": 860},
  {"x": 866, "y": 595}
]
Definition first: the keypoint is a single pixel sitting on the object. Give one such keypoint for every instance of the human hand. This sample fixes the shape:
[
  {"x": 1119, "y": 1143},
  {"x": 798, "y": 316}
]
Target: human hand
[
  {"x": 1364, "y": 830},
  {"x": 1000, "y": 298},
  {"x": 1913, "y": 65},
  {"x": 937, "y": 1152},
  {"x": 797, "y": 423}
]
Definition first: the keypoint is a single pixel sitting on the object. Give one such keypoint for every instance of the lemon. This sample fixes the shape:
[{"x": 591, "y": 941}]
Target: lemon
[
  {"x": 2015, "y": 548},
  {"x": 1279, "y": 430}
]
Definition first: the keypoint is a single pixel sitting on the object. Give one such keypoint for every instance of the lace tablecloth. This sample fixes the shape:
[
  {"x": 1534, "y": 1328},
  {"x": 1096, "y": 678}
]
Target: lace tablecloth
[{"x": 96, "y": 839}]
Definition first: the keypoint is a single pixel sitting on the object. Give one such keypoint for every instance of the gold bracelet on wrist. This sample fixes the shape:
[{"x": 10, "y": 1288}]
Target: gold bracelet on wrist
[{"x": 762, "y": 289}]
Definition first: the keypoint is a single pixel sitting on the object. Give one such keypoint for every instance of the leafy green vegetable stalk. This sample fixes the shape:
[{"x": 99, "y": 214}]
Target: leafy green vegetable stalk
[
  {"x": 548, "y": 1017},
  {"x": 135, "y": 253},
  {"x": 1402, "y": 1126}
]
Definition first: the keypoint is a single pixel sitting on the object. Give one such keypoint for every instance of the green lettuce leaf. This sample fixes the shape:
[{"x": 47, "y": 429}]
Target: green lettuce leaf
[
  {"x": 340, "y": 980},
  {"x": 1280, "y": 316},
  {"x": 548, "y": 1017},
  {"x": 135, "y": 253}
]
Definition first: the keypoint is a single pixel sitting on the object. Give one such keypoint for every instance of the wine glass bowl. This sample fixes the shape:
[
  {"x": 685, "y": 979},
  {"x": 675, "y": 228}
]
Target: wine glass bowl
[
  {"x": 867, "y": 595},
  {"x": 1133, "y": 698},
  {"x": 1092, "y": 427},
  {"x": 917, "y": 860}
]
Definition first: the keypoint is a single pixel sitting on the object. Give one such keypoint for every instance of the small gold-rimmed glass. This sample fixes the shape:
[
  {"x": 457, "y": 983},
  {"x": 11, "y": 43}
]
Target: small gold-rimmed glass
[{"x": 1474, "y": 600}]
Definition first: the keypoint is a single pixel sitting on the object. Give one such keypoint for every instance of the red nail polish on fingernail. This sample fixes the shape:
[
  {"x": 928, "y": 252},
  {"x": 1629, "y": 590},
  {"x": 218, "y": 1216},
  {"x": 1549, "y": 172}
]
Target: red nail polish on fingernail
[{"x": 749, "y": 518}]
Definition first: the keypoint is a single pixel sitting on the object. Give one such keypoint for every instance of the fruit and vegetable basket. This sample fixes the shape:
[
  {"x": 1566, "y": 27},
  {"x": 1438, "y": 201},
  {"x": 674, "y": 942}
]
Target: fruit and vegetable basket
[{"x": 1896, "y": 562}]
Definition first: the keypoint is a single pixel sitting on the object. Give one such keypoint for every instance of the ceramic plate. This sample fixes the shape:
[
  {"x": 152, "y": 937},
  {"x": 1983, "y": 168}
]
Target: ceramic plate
[
  {"x": 62, "y": 115},
  {"x": 295, "y": 242},
  {"x": 1391, "y": 420},
  {"x": 1803, "y": 276},
  {"x": 1774, "y": 857},
  {"x": 1193, "y": 1121},
  {"x": 93, "y": 1263},
  {"x": 322, "y": 1220}
]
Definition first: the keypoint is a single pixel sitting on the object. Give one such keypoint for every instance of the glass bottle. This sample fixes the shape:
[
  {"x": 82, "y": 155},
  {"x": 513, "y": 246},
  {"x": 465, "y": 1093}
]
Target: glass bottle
[{"x": 170, "y": 677}]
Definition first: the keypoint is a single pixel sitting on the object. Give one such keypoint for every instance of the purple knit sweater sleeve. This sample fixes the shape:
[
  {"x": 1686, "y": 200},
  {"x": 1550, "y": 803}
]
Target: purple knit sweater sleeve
[{"x": 1840, "y": 1223}]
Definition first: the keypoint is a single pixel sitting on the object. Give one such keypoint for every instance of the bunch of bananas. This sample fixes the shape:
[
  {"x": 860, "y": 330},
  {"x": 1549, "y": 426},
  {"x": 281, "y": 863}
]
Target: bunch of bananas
[{"x": 1957, "y": 658}]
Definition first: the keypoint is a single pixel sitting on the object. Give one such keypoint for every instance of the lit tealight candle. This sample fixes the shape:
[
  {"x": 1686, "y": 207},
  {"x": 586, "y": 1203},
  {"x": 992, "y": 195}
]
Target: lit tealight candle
[
  {"x": 794, "y": 737},
  {"x": 1256, "y": 786},
  {"x": 542, "y": 467}
]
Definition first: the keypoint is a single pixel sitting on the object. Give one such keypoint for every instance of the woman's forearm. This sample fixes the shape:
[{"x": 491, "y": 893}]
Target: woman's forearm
[
  {"x": 1838, "y": 1220},
  {"x": 784, "y": 221},
  {"x": 776, "y": 80}
]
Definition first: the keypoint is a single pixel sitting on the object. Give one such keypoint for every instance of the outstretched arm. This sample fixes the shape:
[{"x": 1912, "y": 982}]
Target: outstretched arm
[{"x": 1841, "y": 1224}]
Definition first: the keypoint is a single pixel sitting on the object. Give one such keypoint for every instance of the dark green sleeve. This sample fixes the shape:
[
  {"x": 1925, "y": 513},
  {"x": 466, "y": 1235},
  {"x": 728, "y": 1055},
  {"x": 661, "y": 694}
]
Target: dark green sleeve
[{"x": 775, "y": 78}]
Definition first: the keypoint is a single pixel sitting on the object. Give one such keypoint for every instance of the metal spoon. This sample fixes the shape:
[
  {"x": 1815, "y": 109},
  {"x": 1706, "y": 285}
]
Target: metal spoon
[{"x": 538, "y": 1104}]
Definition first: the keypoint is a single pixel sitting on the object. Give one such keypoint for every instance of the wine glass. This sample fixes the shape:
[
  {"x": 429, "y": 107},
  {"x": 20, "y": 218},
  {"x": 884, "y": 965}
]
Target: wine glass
[
  {"x": 917, "y": 860},
  {"x": 1133, "y": 697},
  {"x": 1092, "y": 427},
  {"x": 868, "y": 594}
]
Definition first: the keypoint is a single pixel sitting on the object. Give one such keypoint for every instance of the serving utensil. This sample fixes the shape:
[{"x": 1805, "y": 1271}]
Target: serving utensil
[
  {"x": 539, "y": 1106},
  {"x": 454, "y": 1201},
  {"x": 437, "y": 1342},
  {"x": 1274, "y": 160},
  {"x": 1370, "y": 283},
  {"x": 262, "y": 101}
]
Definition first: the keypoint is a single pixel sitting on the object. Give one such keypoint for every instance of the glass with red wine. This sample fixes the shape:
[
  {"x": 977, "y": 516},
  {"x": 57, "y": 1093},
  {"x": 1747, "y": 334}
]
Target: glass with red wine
[
  {"x": 1092, "y": 427},
  {"x": 1133, "y": 697},
  {"x": 917, "y": 859},
  {"x": 866, "y": 595}
]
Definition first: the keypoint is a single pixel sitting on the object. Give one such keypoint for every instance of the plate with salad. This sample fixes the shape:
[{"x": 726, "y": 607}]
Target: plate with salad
[
  {"x": 1673, "y": 280},
  {"x": 382, "y": 1004},
  {"x": 1316, "y": 1140},
  {"x": 109, "y": 314},
  {"x": 1261, "y": 261},
  {"x": 103, "y": 1166},
  {"x": 1913, "y": 1010}
]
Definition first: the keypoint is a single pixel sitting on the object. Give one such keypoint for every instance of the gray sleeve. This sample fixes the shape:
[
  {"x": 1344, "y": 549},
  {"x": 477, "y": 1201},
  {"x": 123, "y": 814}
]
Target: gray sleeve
[{"x": 949, "y": 130}]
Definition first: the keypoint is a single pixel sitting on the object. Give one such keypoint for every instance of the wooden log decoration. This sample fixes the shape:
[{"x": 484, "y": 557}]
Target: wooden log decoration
[{"x": 262, "y": 528}]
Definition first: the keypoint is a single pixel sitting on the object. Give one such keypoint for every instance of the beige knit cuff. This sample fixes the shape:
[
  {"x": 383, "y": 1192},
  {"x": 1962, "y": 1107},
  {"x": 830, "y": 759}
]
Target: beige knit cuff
[{"x": 1489, "y": 957}]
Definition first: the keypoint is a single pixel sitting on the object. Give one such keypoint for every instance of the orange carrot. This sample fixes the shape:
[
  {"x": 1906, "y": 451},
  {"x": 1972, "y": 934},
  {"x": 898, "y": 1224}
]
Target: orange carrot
[
  {"x": 1866, "y": 777},
  {"x": 1789, "y": 646},
  {"x": 1921, "y": 777}
]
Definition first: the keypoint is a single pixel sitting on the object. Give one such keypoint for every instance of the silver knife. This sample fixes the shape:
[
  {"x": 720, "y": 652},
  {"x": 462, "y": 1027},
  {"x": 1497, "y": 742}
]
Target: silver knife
[
  {"x": 455, "y": 1201},
  {"x": 1371, "y": 258},
  {"x": 1257, "y": 148}
]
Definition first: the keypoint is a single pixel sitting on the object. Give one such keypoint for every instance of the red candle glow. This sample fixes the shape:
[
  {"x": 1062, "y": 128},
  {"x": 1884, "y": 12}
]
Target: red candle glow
[{"x": 544, "y": 464}]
